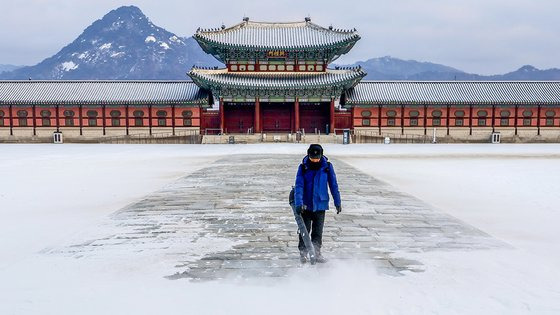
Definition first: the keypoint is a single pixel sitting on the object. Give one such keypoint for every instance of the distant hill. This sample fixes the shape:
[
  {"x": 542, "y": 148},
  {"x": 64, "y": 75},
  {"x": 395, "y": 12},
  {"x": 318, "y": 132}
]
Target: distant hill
[
  {"x": 389, "y": 68},
  {"x": 8, "y": 68},
  {"x": 126, "y": 45},
  {"x": 123, "y": 45}
]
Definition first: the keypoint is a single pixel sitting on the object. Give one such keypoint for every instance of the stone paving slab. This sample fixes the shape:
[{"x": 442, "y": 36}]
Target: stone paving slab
[{"x": 243, "y": 199}]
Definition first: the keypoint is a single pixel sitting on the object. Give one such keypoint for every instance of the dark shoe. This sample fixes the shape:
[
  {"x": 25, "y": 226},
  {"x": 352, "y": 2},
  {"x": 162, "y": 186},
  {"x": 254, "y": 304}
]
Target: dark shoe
[
  {"x": 302, "y": 257},
  {"x": 319, "y": 257}
]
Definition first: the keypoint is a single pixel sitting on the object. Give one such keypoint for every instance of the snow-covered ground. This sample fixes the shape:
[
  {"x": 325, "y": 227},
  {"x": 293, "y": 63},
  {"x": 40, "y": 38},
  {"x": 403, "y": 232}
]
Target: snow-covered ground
[{"x": 52, "y": 193}]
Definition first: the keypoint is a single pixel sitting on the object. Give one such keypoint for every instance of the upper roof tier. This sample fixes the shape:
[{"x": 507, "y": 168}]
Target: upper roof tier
[{"x": 267, "y": 36}]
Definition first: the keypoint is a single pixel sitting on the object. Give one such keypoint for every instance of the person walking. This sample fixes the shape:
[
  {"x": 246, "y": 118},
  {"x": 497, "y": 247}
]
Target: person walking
[{"x": 311, "y": 197}]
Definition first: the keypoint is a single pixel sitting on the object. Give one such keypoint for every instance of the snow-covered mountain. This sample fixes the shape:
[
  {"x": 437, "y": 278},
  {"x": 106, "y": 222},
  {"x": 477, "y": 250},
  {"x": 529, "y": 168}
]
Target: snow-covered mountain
[{"x": 124, "y": 44}]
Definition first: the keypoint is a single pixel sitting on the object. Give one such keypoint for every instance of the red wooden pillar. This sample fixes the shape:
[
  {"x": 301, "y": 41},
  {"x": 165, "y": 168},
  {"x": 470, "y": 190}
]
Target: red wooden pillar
[
  {"x": 493, "y": 118},
  {"x": 10, "y": 112},
  {"x": 332, "y": 116},
  {"x": 379, "y": 118},
  {"x": 402, "y": 119},
  {"x": 34, "y": 116},
  {"x": 470, "y": 119},
  {"x": 425, "y": 120},
  {"x": 257, "y": 115},
  {"x": 222, "y": 116},
  {"x": 296, "y": 113},
  {"x": 538, "y": 120},
  {"x": 104, "y": 117},
  {"x": 516, "y": 116},
  {"x": 80, "y": 116},
  {"x": 150, "y": 118},
  {"x": 57, "y": 118},
  {"x": 173, "y": 119},
  {"x": 447, "y": 118},
  {"x": 127, "y": 124}
]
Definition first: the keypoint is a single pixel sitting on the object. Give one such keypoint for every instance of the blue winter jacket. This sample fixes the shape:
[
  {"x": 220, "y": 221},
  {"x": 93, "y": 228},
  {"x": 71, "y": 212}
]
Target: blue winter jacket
[{"x": 311, "y": 186}]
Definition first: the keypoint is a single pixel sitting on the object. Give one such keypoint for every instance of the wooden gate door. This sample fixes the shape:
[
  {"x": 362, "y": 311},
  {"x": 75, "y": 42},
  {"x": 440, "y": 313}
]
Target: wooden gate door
[
  {"x": 277, "y": 117},
  {"x": 238, "y": 118},
  {"x": 314, "y": 117}
]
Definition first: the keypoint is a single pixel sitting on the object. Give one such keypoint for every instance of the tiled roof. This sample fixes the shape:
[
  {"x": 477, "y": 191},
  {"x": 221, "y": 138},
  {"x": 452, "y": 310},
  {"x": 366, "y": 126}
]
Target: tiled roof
[
  {"x": 277, "y": 35},
  {"x": 454, "y": 92},
  {"x": 100, "y": 92},
  {"x": 277, "y": 80}
]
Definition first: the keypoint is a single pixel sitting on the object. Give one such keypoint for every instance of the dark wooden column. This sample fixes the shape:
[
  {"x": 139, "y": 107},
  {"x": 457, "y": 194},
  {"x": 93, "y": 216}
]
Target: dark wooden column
[
  {"x": 10, "y": 112},
  {"x": 127, "y": 124},
  {"x": 257, "y": 115},
  {"x": 103, "y": 117},
  {"x": 332, "y": 115},
  {"x": 81, "y": 115},
  {"x": 222, "y": 116},
  {"x": 296, "y": 113},
  {"x": 34, "y": 117}
]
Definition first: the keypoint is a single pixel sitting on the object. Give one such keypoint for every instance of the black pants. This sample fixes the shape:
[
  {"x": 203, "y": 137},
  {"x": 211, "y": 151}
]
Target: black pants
[{"x": 314, "y": 223}]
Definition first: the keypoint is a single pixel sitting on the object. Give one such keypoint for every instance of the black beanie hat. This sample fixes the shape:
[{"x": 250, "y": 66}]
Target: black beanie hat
[{"x": 315, "y": 151}]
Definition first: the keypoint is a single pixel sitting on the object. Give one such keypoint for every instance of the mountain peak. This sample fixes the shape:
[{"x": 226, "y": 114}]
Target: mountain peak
[
  {"x": 528, "y": 68},
  {"x": 123, "y": 44},
  {"x": 125, "y": 12}
]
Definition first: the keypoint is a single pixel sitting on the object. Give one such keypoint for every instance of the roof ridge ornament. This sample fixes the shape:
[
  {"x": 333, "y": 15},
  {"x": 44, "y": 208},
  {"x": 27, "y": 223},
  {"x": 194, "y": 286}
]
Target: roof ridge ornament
[
  {"x": 308, "y": 18},
  {"x": 245, "y": 19}
]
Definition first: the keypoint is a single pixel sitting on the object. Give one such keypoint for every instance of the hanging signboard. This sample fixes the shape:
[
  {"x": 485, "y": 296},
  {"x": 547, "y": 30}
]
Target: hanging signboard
[{"x": 276, "y": 54}]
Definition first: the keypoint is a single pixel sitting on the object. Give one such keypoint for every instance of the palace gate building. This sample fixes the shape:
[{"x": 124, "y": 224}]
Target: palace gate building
[{"x": 277, "y": 80}]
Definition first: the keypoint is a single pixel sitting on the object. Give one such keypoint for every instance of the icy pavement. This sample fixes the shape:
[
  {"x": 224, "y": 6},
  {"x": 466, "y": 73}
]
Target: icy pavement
[{"x": 237, "y": 210}]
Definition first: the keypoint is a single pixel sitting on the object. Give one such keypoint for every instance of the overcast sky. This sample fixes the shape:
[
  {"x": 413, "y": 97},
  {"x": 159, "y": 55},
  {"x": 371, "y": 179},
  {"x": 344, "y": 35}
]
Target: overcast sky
[{"x": 479, "y": 36}]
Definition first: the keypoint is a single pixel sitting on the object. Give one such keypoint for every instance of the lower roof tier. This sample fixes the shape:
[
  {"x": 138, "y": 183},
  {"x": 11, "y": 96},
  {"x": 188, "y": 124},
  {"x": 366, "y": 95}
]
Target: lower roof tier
[
  {"x": 223, "y": 83},
  {"x": 360, "y": 94}
]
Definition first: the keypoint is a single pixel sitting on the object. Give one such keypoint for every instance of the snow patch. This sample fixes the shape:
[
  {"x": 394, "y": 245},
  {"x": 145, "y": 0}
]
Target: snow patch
[
  {"x": 69, "y": 65},
  {"x": 83, "y": 55},
  {"x": 117, "y": 54},
  {"x": 175, "y": 39},
  {"x": 150, "y": 39},
  {"x": 164, "y": 45},
  {"x": 105, "y": 46}
]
